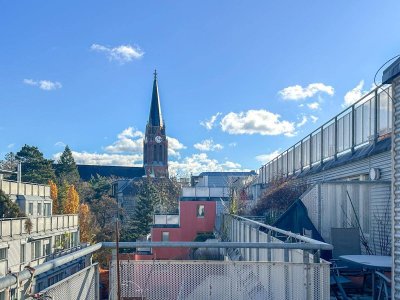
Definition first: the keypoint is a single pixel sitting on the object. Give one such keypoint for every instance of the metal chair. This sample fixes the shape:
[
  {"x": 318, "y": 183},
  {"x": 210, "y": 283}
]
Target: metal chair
[{"x": 383, "y": 286}]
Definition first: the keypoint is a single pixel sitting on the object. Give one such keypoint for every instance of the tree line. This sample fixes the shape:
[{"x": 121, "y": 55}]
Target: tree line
[{"x": 92, "y": 199}]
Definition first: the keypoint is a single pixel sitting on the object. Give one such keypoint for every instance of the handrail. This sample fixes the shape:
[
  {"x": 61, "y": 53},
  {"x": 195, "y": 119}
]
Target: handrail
[
  {"x": 11, "y": 279},
  {"x": 324, "y": 246},
  {"x": 348, "y": 110}
]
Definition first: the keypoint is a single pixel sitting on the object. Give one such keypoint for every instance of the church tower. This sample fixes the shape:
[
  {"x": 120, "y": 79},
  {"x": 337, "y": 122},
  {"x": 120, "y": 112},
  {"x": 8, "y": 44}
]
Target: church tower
[{"x": 155, "y": 145}]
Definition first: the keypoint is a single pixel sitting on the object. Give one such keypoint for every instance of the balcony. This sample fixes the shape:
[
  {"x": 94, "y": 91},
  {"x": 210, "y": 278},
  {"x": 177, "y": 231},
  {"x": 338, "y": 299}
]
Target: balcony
[
  {"x": 165, "y": 220},
  {"x": 12, "y": 228},
  {"x": 205, "y": 192},
  {"x": 22, "y": 188},
  {"x": 365, "y": 122}
]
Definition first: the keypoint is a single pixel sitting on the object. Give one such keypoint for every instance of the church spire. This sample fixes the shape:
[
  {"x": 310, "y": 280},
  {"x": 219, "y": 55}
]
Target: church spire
[{"x": 155, "y": 118}]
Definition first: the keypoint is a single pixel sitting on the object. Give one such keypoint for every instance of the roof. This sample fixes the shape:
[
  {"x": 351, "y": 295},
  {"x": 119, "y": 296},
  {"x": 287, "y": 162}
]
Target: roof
[
  {"x": 228, "y": 173},
  {"x": 87, "y": 171},
  {"x": 155, "y": 117}
]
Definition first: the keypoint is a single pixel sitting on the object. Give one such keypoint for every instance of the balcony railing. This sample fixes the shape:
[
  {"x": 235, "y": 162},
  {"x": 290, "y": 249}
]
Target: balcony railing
[
  {"x": 166, "y": 220},
  {"x": 205, "y": 192},
  {"x": 366, "y": 121},
  {"x": 22, "y": 188},
  {"x": 14, "y": 227}
]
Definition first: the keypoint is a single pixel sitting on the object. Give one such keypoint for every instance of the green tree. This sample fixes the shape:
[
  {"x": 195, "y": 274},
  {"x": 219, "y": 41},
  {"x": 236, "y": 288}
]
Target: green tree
[
  {"x": 105, "y": 211},
  {"x": 139, "y": 224},
  {"x": 101, "y": 186},
  {"x": 167, "y": 200},
  {"x": 35, "y": 168},
  {"x": 62, "y": 196},
  {"x": 10, "y": 163},
  {"x": 8, "y": 209},
  {"x": 66, "y": 169}
]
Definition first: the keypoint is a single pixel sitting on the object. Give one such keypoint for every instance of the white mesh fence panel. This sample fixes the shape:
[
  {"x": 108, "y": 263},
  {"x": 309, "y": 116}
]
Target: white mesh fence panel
[
  {"x": 220, "y": 280},
  {"x": 82, "y": 285}
]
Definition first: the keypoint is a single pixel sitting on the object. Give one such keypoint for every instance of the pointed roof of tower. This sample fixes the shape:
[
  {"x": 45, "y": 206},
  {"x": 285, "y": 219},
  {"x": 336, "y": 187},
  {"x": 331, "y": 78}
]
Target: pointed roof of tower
[{"x": 155, "y": 117}]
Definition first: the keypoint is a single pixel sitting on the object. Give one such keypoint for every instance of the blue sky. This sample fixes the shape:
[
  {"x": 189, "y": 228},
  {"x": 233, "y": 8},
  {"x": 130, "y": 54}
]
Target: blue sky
[{"x": 268, "y": 71}]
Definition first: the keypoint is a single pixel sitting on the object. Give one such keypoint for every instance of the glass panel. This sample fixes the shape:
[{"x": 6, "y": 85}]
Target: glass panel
[
  {"x": 366, "y": 121},
  {"x": 359, "y": 125}
]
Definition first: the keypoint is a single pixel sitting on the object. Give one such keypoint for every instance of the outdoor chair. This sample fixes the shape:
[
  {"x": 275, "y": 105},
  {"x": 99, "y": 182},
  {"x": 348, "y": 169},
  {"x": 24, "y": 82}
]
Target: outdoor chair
[
  {"x": 383, "y": 286},
  {"x": 346, "y": 241},
  {"x": 337, "y": 281}
]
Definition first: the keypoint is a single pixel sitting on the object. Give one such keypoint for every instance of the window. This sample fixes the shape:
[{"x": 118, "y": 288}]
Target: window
[
  {"x": 165, "y": 236},
  {"x": 22, "y": 253},
  {"x": 200, "y": 211},
  {"x": 46, "y": 247},
  {"x": 35, "y": 250},
  {"x": 39, "y": 209},
  {"x": 30, "y": 211},
  {"x": 3, "y": 253},
  {"x": 47, "y": 209}
]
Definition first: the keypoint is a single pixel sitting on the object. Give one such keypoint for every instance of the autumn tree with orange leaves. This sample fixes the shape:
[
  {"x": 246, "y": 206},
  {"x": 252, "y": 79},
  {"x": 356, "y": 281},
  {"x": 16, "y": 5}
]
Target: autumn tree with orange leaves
[
  {"x": 87, "y": 227},
  {"x": 71, "y": 203},
  {"x": 54, "y": 196}
]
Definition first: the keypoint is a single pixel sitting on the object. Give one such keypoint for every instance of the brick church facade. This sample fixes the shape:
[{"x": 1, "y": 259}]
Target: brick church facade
[{"x": 155, "y": 144}]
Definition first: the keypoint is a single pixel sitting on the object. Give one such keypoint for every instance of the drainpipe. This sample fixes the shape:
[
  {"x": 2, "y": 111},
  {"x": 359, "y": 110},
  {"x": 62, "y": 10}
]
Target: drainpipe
[{"x": 392, "y": 75}]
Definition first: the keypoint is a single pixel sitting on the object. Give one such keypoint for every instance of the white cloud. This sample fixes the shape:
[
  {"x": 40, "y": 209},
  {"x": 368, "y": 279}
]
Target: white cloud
[
  {"x": 313, "y": 105},
  {"x": 45, "y": 85},
  {"x": 354, "y": 95},
  {"x": 256, "y": 122},
  {"x": 302, "y": 122},
  {"x": 265, "y": 158},
  {"x": 174, "y": 146},
  {"x": 129, "y": 140},
  {"x": 122, "y": 54},
  {"x": 197, "y": 163},
  {"x": 313, "y": 118},
  {"x": 86, "y": 158},
  {"x": 233, "y": 144},
  {"x": 209, "y": 124},
  {"x": 297, "y": 92},
  {"x": 59, "y": 144},
  {"x": 208, "y": 145},
  {"x": 9, "y": 146}
]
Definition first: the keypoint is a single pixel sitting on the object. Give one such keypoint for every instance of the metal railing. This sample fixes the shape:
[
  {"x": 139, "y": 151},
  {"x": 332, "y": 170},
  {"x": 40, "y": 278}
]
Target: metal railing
[
  {"x": 206, "y": 192},
  {"x": 219, "y": 280},
  {"x": 166, "y": 220},
  {"x": 81, "y": 285},
  {"x": 366, "y": 121},
  {"x": 291, "y": 247}
]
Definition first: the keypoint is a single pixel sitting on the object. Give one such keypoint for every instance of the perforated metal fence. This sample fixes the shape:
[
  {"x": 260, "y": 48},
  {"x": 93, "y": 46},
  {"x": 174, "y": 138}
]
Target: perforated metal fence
[
  {"x": 83, "y": 285},
  {"x": 220, "y": 280}
]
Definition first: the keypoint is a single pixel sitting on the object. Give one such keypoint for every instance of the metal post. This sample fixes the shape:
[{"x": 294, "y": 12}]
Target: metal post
[
  {"x": 376, "y": 116},
  {"x": 301, "y": 156},
  {"x": 117, "y": 245},
  {"x": 322, "y": 145},
  {"x": 257, "y": 241},
  {"x": 336, "y": 138},
  {"x": 294, "y": 160},
  {"x": 250, "y": 250},
  {"x": 353, "y": 128},
  {"x": 310, "y": 143},
  {"x": 19, "y": 172}
]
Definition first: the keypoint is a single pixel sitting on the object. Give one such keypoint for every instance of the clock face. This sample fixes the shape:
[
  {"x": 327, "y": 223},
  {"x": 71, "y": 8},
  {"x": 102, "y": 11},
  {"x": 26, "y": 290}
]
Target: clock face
[{"x": 158, "y": 139}]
